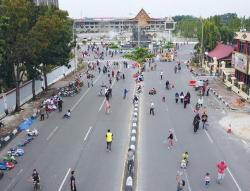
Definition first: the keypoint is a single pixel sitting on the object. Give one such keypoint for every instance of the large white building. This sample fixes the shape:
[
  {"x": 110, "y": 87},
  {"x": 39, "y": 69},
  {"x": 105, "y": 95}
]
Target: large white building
[
  {"x": 142, "y": 20},
  {"x": 47, "y": 2}
]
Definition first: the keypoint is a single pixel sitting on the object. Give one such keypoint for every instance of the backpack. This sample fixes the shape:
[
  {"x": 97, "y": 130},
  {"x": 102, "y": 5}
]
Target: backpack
[{"x": 183, "y": 183}]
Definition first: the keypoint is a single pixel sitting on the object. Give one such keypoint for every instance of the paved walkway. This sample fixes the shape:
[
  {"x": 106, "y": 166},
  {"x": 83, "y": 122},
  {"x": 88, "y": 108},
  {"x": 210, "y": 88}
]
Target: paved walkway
[{"x": 232, "y": 99}]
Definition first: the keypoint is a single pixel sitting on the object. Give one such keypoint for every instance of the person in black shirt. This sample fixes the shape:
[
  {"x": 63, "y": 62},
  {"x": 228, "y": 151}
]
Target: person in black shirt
[{"x": 72, "y": 181}]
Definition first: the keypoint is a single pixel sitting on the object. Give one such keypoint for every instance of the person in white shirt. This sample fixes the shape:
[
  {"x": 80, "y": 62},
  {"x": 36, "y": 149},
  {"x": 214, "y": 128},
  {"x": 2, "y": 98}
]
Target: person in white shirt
[
  {"x": 67, "y": 115},
  {"x": 151, "y": 110},
  {"x": 161, "y": 74}
]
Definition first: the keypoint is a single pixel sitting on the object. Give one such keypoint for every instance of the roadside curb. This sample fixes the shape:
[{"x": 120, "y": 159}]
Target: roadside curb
[
  {"x": 5, "y": 140},
  {"x": 129, "y": 171},
  {"x": 220, "y": 98}
]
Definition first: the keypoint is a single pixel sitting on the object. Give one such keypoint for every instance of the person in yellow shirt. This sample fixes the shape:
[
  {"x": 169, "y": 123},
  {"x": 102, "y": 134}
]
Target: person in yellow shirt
[{"x": 109, "y": 139}]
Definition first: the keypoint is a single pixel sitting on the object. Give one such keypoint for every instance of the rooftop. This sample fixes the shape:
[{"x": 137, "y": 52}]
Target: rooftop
[
  {"x": 243, "y": 36},
  {"x": 221, "y": 51}
]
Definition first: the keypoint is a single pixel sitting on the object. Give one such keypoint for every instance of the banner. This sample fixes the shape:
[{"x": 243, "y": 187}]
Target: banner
[{"x": 239, "y": 61}]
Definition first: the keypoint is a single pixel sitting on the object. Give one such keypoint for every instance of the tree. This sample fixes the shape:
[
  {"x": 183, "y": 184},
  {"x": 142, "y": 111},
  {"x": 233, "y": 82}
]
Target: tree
[
  {"x": 17, "y": 13},
  {"x": 139, "y": 55},
  {"x": 54, "y": 31}
]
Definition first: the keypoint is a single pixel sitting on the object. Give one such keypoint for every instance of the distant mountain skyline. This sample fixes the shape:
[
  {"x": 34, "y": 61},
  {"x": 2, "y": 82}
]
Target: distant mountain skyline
[{"x": 155, "y": 8}]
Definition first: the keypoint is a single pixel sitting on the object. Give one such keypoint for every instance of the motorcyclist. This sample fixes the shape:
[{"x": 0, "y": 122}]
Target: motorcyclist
[{"x": 35, "y": 176}]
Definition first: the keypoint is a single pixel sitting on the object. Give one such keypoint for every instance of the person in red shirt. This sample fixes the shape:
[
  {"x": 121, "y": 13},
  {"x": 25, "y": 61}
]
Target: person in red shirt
[{"x": 221, "y": 167}]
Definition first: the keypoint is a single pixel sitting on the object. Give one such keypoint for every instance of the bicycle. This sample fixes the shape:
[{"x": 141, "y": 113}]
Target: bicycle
[{"x": 37, "y": 186}]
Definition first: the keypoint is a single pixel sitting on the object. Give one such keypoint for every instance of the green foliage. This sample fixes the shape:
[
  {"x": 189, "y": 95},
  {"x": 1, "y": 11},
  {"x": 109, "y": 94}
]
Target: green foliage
[
  {"x": 30, "y": 37},
  {"x": 113, "y": 46},
  {"x": 187, "y": 27},
  {"x": 168, "y": 45},
  {"x": 139, "y": 55}
]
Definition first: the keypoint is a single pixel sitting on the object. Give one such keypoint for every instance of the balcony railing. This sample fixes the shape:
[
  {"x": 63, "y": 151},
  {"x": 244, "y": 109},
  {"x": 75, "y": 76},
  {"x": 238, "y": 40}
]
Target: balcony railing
[
  {"x": 236, "y": 84},
  {"x": 245, "y": 89}
]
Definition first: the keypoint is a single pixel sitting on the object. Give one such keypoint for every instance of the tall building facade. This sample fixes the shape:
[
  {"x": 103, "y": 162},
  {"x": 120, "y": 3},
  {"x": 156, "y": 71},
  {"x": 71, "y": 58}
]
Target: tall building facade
[
  {"x": 47, "y": 2},
  {"x": 142, "y": 20}
]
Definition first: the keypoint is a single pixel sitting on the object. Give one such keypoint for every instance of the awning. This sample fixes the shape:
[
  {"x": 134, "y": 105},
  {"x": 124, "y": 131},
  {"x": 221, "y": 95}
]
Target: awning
[{"x": 221, "y": 52}]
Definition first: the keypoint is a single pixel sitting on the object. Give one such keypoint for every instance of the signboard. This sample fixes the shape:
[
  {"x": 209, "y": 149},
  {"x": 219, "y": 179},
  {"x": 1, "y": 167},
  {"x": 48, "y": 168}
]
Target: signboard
[
  {"x": 240, "y": 62},
  {"x": 169, "y": 26}
]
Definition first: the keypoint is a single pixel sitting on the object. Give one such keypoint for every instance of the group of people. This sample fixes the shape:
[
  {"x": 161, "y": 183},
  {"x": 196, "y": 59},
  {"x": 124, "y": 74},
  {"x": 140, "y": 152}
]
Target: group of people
[{"x": 184, "y": 99}]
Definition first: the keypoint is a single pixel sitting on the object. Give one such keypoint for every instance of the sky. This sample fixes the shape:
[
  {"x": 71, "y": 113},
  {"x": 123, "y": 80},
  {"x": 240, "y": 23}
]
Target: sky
[{"x": 155, "y": 8}]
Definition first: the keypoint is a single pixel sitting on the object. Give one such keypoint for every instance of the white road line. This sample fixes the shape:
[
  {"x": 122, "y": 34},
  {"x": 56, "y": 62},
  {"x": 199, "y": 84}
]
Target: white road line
[
  {"x": 101, "y": 105},
  {"x": 8, "y": 187},
  {"x": 52, "y": 133},
  {"x": 80, "y": 99},
  {"x": 20, "y": 171},
  {"x": 188, "y": 184},
  {"x": 86, "y": 136},
  {"x": 244, "y": 142},
  {"x": 64, "y": 179},
  {"x": 209, "y": 137},
  {"x": 236, "y": 183}
]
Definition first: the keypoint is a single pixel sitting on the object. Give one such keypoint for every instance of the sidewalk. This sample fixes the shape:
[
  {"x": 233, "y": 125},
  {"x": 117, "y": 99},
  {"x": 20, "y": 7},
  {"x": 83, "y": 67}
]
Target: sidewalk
[
  {"x": 11, "y": 122},
  {"x": 238, "y": 117},
  {"x": 229, "y": 98}
]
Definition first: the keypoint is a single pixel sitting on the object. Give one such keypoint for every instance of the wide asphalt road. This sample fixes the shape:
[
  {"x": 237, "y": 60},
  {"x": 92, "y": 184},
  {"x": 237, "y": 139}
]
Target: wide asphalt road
[
  {"x": 158, "y": 165},
  {"x": 78, "y": 143}
]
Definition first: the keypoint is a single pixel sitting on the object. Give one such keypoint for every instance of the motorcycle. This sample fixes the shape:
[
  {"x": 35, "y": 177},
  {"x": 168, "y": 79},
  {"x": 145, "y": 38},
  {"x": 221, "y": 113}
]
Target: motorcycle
[
  {"x": 8, "y": 158},
  {"x": 32, "y": 133},
  {"x": 15, "y": 152}
]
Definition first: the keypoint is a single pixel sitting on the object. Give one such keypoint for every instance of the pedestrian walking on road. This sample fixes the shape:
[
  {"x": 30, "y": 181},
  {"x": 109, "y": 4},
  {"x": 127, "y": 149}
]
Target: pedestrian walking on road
[
  {"x": 72, "y": 181},
  {"x": 185, "y": 101},
  {"x": 221, "y": 166},
  {"x": 200, "y": 101},
  {"x": 204, "y": 120},
  {"x": 161, "y": 74},
  {"x": 125, "y": 91},
  {"x": 152, "y": 108},
  {"x": 207, "y": 179},
  {"x": 170, "y": 138},
  {"x": 180, "y": 183},
  {"x": 189, "y": 97},
  {"x": 176, "y": 97},
  {"x": 196, "y": 122},
  {"x": 181, "y": 97},
  {"x": 109, "y": 139}
]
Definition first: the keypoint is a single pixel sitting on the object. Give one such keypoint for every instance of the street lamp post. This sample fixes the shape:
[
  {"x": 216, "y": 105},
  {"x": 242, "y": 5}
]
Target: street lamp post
[
  {"x": 75, "y": 51},
  {"x": 202, "y": 43},
  {"x": 139, "y": 39}
]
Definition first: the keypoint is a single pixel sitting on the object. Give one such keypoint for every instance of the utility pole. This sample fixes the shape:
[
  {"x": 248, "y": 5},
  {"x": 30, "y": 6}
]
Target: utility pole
[
  {"x": 202, "y": 43},
  {"x": 139, "y": 39},
  {"x": 75, "y": 51}
]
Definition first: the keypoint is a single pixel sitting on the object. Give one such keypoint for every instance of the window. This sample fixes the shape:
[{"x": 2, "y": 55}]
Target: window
[
  {"x": 248, "y": 48},
  {"x": 242, "y": 47}
]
